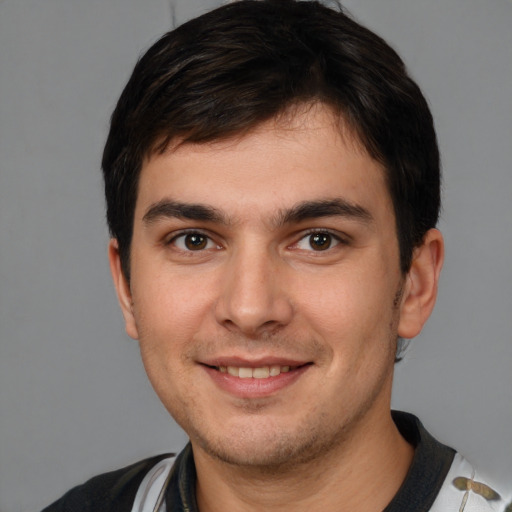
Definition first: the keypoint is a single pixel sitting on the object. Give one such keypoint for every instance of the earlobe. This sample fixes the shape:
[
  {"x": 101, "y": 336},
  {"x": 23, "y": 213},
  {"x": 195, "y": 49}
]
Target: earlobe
[
  {"x": 122, "y": 288},
  {"x": 420, "y": 288}
]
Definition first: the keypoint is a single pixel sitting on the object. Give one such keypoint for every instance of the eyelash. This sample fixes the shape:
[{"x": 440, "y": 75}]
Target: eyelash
[
  {"x": 334, "y": 238},
  {"x": 183, "y": 234}
]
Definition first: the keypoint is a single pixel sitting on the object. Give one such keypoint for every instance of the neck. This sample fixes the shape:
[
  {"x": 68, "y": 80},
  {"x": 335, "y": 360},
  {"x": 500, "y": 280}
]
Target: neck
[{"x": 363, "y": 472}]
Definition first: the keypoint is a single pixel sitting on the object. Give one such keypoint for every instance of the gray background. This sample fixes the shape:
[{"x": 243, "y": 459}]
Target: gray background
[{"x": 74, "y": 398}]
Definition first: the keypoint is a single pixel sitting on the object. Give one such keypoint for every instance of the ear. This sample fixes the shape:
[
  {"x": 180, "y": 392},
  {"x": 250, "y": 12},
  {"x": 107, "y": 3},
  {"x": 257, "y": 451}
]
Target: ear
[
  {"x": 122, "y": 285},
  {"x": 420, "y": 288}
]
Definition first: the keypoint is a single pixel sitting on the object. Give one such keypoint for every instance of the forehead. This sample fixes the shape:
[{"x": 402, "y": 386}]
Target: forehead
[{"x": 308, "y": 154}]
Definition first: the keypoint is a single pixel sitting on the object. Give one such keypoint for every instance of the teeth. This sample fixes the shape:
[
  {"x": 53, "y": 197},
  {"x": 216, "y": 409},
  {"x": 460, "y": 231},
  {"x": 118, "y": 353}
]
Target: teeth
[
  {"x": 245, "y": 373},
  {"x": 275, "y": 370},
  {"x": 263, "y": 372},
  {"x": 233, "y": 370}
]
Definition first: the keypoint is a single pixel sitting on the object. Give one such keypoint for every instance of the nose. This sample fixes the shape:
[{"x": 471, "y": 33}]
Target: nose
[{"x": 253, "y": 299}]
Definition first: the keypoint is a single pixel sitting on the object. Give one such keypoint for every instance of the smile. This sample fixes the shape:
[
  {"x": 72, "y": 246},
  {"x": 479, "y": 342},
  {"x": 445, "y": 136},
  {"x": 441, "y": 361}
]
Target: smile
[
  {"x": 258, "y": 380},
  {"x": 263, "y": 372}
]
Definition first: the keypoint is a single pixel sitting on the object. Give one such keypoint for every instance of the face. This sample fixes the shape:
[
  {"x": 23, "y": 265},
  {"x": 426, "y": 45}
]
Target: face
[{"x": 265, "y": 289}]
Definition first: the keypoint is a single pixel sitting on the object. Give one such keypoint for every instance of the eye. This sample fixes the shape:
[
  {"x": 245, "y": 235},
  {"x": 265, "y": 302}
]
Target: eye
[
  {"x": 318, "y": 241},
  {"x": 193, "y": 241}
]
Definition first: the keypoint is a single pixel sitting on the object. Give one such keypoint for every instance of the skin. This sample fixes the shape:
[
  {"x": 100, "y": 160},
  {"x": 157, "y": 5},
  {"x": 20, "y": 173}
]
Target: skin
[{"x": 256, "y": 288}]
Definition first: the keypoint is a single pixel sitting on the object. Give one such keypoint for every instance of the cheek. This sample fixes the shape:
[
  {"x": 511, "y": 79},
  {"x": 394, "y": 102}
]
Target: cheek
[
  {"x": 349, "y": 299},
  {"x": 171, "y": 312},
  {"x": 170, "y": 303},
  {"x": 353, "y": 314}
]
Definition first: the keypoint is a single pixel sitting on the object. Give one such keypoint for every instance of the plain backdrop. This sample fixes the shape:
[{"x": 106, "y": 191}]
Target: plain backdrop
[{"x": 74, "y": 399}]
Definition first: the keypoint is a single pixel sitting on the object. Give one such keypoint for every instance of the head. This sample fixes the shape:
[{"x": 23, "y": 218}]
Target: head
[
  {"x": 230, "y": 70},
  {"x": 272, "y": 179}
]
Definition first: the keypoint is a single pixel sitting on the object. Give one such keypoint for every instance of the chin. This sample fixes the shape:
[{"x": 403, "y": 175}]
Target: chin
[{"x": 264, "y": 449}]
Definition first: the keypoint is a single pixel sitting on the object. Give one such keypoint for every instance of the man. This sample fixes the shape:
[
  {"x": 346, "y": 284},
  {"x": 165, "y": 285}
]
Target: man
[{"x": 272, "y": 184}]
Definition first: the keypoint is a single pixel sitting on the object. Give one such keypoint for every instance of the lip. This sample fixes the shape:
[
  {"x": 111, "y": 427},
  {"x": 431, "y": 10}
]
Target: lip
[
  {"x": 241, "y": 362},
  {"x": 252, "y": 387}
]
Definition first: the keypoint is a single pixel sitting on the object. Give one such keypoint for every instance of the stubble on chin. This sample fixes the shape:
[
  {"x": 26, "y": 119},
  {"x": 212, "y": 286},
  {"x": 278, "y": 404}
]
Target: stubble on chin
[{"x": 277, "y": 454}]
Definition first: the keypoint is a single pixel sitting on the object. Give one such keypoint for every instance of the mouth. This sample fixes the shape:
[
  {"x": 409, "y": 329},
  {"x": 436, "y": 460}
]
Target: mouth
[
  {"x": 256, "y": 380},
  {"x": 260, "y": 372}
]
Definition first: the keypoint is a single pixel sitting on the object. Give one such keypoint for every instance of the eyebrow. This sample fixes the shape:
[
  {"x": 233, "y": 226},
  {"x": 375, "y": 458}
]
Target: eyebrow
[
  {"x": 167, "y": 208},
  {"x": 306, "y": 210},
  {"x": 324, "y": 208}
]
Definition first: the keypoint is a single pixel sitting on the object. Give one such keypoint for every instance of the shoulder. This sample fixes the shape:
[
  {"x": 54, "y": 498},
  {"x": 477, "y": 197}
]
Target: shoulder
[
  {"x": 442, "y": 480},
  {"x": 113, "y": 491},
  {"x": 466, "y": 489}
]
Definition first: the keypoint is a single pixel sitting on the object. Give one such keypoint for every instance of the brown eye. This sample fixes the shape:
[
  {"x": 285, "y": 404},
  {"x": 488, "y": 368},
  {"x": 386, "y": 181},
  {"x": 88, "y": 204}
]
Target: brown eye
[
  {"x": 320, "y": 241},
  {"x": 195, "y": 241}
]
